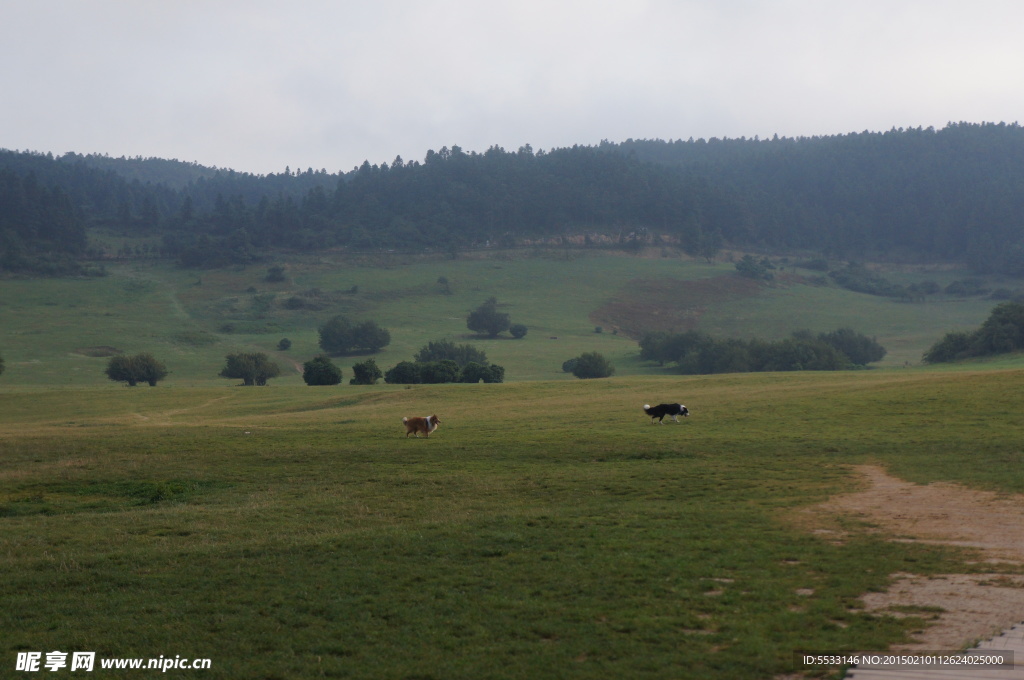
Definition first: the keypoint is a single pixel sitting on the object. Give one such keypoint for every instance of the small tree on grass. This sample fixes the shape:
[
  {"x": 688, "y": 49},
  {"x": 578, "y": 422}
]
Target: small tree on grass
[
  {"x": 444, "y": 371},
  {"x": 592, "y": 365},
  {"x": 435, "y": 372},
  {"x": 365, "y": 373},
  {"x": 474, "y": 373},
  {"x": 251, "y": 369},
  {"x": 321, "y": 371},
  {"x": 403, "y": 373},
  {"x": 517, "y": 330},
  {"x": 135, "y": 369},
  {"x": 755, "y": 269},
  {"x": 340, "y": 336},
  {"x": 486, "y": 319},
  {"x": 446, "y": 349}
]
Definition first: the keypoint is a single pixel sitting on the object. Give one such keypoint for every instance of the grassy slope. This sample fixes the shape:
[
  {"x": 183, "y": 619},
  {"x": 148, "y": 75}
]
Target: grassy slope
[
  {"x": 179, "y": 315},
  {"x": 545, "y": 530}
]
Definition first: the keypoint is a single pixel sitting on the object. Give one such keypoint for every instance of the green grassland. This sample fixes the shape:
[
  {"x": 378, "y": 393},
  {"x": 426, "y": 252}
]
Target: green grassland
[
  {"x": 56, "y": 331},
  {"x": 546, "y": 530}
]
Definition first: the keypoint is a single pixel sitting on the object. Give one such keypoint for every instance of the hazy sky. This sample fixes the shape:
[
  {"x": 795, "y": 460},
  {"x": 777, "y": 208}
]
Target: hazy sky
[{"x": 257, "y": 85}]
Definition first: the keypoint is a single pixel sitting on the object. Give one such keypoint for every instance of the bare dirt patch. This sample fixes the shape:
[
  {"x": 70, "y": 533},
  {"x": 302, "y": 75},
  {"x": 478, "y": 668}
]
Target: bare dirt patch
[
  {"x": 963, "y": 608},
  {"x": 645, "y": 305}
]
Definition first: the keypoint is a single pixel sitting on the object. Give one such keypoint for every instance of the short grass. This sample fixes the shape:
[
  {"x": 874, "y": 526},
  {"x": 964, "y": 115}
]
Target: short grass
[
  {"x": 55, "y": 331},
  {"x": 546, "y": 530}
]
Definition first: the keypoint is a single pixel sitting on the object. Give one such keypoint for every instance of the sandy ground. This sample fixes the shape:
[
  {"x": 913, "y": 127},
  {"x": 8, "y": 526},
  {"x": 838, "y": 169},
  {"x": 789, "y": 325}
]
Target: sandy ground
[{"x": 974, "y": 606}]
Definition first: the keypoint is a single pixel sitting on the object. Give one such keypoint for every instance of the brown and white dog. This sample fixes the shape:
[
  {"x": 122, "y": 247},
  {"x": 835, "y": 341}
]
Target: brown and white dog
[{"x": 415, "y": 425}]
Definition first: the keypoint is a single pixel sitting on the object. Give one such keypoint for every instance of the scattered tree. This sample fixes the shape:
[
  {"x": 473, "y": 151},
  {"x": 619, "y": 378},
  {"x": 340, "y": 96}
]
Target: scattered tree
[
  {"x": 474, "y": 373},
  {"x": 859, "y": 348},
  {"x": 592, "y": 365},
  {"x": 284, "y": 345},
  {"x": 365, "y": 373},
  {"x": 135, "y": 369},
  {"x": 251, "y": 369},
  {"x": 444, "y": 371},
  {"x": 446, "y": 349},
  {"x": 486, "y": 319},
  {"x": 952, "y": 347},
  {"x": 755, "y": 269},
  {"x": 341, "y": 336},
  {"x": 371, "y": 337},
  {"x": 434, "y": 372},
  {"x": 517, "y": 330},
  {"x": 321, "y": 371},
  {"x": 403, "y": 373}
]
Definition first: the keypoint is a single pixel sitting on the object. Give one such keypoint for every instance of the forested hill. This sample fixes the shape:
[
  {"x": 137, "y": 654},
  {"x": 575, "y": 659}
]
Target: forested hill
[{"x": 955, "y": 193}]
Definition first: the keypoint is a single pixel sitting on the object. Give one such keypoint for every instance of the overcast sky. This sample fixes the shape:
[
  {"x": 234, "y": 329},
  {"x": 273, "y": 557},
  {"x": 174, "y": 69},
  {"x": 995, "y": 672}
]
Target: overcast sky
[{"x": 257, "y": 85}]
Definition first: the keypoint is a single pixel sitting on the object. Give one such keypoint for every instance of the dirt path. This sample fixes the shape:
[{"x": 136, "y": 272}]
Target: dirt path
[{"x": 974, "y": 606}]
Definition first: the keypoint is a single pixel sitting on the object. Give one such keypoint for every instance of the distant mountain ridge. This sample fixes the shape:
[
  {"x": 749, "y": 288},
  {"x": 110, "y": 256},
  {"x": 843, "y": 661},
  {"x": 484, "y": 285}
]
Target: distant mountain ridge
[
  {"x": 172, "y": 173},
  {"x": 956, "y": 193}
]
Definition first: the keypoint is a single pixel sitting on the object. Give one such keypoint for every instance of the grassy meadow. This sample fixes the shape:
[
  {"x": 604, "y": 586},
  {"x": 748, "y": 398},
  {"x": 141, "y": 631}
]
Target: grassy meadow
[
  {"x": 60, "y": 332},
  {"x": 546, "y": 530}
]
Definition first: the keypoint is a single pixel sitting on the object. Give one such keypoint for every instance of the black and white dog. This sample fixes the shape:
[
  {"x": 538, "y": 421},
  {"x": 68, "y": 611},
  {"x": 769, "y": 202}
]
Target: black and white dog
[{"x": 662, "y": 410}]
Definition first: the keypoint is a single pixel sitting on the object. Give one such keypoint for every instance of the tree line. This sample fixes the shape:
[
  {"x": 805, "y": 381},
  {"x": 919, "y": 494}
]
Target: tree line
[
  {"x": 691, "y": 352},
  {"x": 694, "y": 352},
  {"x": 1001, "y": 333},
  {"x": 951, "y": 193}
]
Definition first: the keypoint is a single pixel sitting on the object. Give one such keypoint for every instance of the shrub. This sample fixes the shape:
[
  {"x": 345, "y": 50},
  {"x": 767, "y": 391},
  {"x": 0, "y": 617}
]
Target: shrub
[
  {"x": 486, "y": 319},
  {"x": 755, "y": 269},
  {"x": 953, "y": 346},
  {"x": 434, "y": 372},
  {"x": 321, "y": 371},
  {"x": 967, "y": 287},
  {"x": 284, "y": 345},
  {"x": 444, "y": 371},
  {"x": 135, "y": 369},
  {"x": 859, "y": 348},
  {"x": 1002, "y": 332},
  {"x": 517, "y": 330},
  {"x": 341, "y": 336},
  {"x": 592, "y": 365},
  {"x": 120, "y": 369},
  {"x": 446, "y": 349},
  {"x": 474, "y": 373},
  {"x": 403, "y": 373},
  {"x": 365, "y": 373},
  {"x": 494, "y": 374},
  {"x": 251, "y": 369},
  {"x": 697, "y": 353},
  {"x": 859, "y": 279}
]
